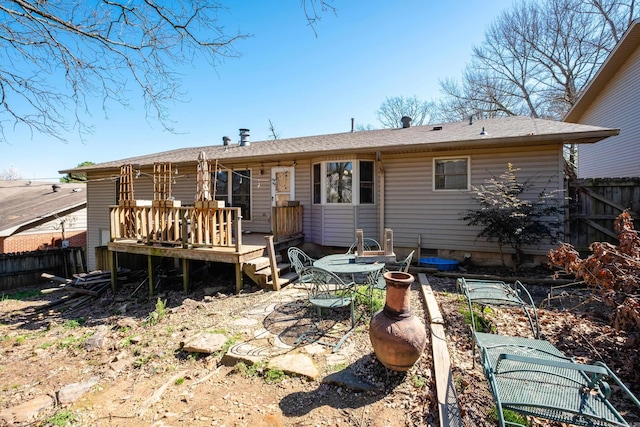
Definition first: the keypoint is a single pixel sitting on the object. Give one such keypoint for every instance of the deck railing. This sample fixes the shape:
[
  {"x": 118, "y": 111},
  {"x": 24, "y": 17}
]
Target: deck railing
[
  {"x": 286, "y": 221},
  {"x": 182, "y": 225}
]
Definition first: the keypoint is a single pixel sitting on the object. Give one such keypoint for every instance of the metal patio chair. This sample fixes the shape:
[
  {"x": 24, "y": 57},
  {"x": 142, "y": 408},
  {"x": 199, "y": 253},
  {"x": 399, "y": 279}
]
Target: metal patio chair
[
  {"x": 367, "y": 243},
  {"x": 531, "y": 376},
  {"x": 403, "y": 265},
  {"x": 326, "y": 290},
  {"x": 299, "y": 259}
]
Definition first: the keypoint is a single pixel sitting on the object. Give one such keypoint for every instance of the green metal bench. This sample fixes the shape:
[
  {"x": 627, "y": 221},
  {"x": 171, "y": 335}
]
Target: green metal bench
[{"x": 532, "y": 377}]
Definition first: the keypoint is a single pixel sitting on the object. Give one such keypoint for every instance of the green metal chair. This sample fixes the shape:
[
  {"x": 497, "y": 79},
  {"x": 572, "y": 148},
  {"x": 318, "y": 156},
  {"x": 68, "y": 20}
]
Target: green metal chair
[
  {"x": 367, "y": 243},
  {"x": 299, "y": 259},
  {"x": 531, "y": 376},
  {"x": 328, "y": 291}
]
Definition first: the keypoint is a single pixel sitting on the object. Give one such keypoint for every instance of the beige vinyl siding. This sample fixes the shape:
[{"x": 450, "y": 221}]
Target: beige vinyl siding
[
  {"x": 366, "y": 217},
  {"x": 303, "y": 193},
  {"x": 101, "y": 193},
  {"x": 315, "y": 233},
  {"x": 335, "y": 225},
  {"x": 413, "y": 208},
  {"x": 617, "y": 106},
  {"x": 339, "y": 225}
]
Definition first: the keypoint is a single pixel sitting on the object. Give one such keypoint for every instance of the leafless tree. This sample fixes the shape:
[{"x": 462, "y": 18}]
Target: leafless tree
[
  {"x": 393, "y": 109},
  {"x": 363, "y": 127},
  {"x": 272, "y": 131},
  {"x": 535, "y": 59},
  {"x": 61, "y": 58},
  {"x": 10, "y": 174}
]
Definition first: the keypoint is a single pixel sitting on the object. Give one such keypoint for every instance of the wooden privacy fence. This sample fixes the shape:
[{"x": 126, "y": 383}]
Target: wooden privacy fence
[
  {"x": 286, "y": 221},
  {"x": 25, "y": 268},
  {"x": 594, "y": 205},
  {"x": 186, "y": 226}
]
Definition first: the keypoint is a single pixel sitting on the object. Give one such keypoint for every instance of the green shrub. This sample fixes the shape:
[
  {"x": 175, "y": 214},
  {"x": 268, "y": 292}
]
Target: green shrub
[
  {"x": 62, "y": 418},
  {"x": 482, "y": 324},
  {"x": 158, "y": 314}
]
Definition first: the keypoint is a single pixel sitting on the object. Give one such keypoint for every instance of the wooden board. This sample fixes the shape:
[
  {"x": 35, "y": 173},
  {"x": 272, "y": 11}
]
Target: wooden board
[{"x": 448, "y": 408}]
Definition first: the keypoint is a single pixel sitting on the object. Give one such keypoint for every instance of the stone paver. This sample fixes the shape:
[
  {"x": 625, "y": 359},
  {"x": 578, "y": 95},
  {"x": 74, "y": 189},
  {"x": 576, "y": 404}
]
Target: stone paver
[
  {"x": 204, "y": 342},
  {"x": 295, "y": 363}
]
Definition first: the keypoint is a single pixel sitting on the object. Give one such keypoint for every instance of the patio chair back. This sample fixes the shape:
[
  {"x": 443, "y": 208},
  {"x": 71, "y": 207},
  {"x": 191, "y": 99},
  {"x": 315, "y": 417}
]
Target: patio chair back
[
  {"x": 299, "y": 259},
  {"x": 327, "y": 290},
  {"x": 368, "y": 244},
  {"x": 405, "y": 263}
]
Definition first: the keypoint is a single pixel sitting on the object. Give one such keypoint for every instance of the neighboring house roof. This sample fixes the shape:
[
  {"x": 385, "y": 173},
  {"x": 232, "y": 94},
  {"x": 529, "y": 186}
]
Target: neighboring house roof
[
  {"x": 623, "y": 50},
  {"x": 26, "y": 204},
  {"x": 498, "y": 132}
]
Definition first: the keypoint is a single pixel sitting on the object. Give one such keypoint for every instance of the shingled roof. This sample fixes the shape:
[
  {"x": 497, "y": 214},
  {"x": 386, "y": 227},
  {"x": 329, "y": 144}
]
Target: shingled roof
[
  {"x": 490, "y": 133},
  {"x": 26, "y": 204}
]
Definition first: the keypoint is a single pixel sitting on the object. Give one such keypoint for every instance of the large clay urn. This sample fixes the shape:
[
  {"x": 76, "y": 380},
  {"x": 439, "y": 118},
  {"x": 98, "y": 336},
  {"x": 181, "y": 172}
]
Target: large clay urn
[{"x": 398, "y": 337}]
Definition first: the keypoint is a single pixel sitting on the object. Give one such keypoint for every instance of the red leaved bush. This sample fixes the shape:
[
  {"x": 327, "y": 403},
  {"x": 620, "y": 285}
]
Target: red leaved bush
[{"x": 614, "y": 271}]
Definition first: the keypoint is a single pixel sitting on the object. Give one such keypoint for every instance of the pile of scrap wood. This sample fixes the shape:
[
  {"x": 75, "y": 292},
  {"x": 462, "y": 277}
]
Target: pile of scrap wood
[{"x": 82, "y": 288}]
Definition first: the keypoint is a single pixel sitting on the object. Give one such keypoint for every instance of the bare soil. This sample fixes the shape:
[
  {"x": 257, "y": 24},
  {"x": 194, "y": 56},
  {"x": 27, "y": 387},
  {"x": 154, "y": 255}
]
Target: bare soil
[{"x": 143, "y": 377}]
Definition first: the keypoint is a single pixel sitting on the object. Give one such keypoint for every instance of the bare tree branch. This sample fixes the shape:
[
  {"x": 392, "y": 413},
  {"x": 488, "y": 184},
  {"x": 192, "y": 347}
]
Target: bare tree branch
[
  {"x": 393, "y": 109},
  {"x": 536, "y": 58},
  {"x": 60, "y": 57}
]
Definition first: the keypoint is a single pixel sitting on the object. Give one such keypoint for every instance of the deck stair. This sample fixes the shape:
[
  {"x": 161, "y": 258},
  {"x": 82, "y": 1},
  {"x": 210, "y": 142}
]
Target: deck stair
[{"x": 259, "y": 270}]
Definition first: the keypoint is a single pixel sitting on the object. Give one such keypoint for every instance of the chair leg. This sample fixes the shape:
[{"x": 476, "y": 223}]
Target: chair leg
[{"x": 353, "y": 322}]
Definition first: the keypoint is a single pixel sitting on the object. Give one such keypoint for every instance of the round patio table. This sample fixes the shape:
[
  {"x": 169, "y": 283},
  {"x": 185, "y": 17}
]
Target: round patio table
[{"x": 345, "y": 264}]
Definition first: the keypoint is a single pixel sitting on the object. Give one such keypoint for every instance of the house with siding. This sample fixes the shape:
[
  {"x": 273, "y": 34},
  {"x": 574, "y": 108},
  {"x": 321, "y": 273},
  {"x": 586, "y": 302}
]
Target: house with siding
[
  {"x": 37, "y": 215},
  {"x": 414, "y": 180},
  {"x": 612, "y": 99}
]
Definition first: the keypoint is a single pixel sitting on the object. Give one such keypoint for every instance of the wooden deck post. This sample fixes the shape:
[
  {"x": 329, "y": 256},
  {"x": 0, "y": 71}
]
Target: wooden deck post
[
  {"x": 239, "y": 284},
  {"x": 112, "y": 267},
  {"x": 238, "y": 232},
  {"x": 150, "y": 272},
  {"x": 185, "y": 275},
  {"x": 360, "y": 242},
  {"x": 272, "y": 262},
  {"x": 388, "y": 241}
]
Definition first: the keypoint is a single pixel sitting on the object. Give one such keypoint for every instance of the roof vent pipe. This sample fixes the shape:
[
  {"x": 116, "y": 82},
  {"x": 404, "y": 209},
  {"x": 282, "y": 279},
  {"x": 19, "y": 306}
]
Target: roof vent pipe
[
  {"x": 406, "y": 121},
  {"x": 55, "y": 188},
  {"x": 244, "y": 137},
  {"x": 226, "y": 140}
]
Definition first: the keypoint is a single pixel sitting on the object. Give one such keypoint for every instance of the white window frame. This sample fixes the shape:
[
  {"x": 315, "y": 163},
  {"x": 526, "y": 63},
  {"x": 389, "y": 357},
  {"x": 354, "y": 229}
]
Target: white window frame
[
  {"x": 229, "y": 199},
  {"x": 355, "y": 182},
  {"x": 451, "y": 158}
]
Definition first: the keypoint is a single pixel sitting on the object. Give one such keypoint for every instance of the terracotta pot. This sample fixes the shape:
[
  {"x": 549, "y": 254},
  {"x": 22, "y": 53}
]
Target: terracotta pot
[{"x": 398, "y": 337}]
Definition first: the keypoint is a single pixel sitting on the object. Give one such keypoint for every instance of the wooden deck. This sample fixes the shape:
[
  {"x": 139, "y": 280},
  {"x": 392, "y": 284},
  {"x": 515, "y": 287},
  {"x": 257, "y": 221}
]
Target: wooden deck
[
  {"x": 250, "y": 253},
  {"x": 203, "y": 233}
]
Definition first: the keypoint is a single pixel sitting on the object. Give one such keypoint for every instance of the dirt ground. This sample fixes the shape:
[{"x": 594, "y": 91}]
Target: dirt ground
[{"x": 137, "y": 373}]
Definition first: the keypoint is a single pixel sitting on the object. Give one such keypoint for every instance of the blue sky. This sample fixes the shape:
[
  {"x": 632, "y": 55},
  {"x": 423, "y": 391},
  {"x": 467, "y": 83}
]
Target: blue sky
[{"x": 305, "y": 84}]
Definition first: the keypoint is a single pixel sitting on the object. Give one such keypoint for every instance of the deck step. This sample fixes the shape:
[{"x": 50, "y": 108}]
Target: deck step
[
  {"x": 257, "y": 264},
  {"x": 267, "y": 270},
  {"x": 285, "y": 279}
]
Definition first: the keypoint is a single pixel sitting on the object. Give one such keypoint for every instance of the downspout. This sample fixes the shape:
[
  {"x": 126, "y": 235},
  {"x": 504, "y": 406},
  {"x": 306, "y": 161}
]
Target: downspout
[{"x": 381, "y": 195}]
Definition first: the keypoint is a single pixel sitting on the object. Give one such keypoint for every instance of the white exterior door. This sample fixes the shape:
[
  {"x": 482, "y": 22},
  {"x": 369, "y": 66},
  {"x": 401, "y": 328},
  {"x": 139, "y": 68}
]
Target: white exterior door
[{"x": 282, "y": 186}]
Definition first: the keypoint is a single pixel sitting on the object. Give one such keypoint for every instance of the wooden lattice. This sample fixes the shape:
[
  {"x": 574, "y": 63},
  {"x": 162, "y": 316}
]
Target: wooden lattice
[
  {"x": 125, "y": 190},
  {"x": 162, "y": 179}
]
